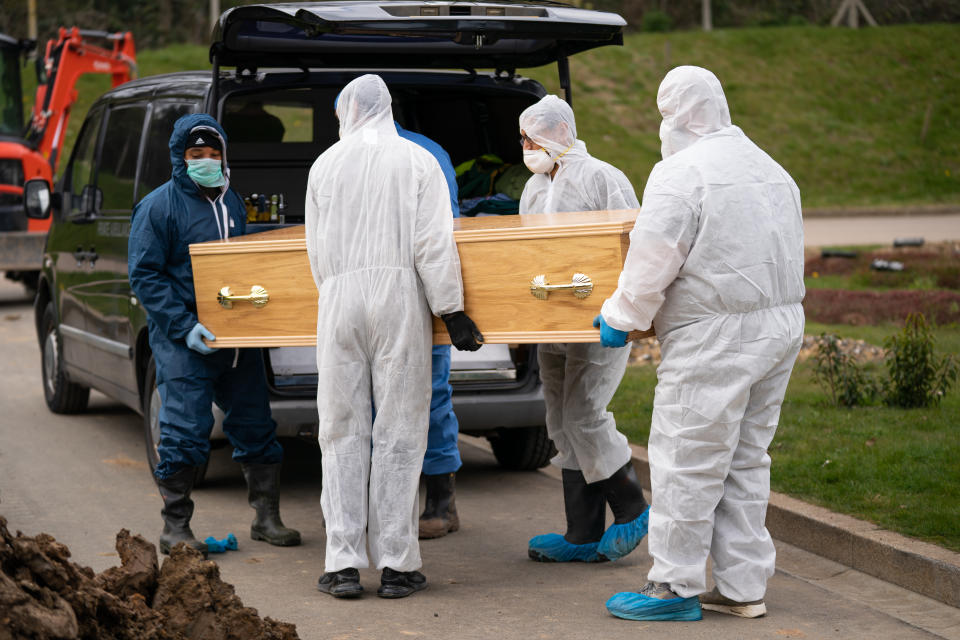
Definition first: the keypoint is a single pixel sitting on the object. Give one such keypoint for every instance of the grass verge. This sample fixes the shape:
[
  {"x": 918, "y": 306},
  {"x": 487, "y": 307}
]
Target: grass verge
[{"x": 894, "y": 467}]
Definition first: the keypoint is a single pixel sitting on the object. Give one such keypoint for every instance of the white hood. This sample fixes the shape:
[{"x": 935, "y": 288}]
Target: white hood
[
  {"x": 693, "y": 105},
  {"x": 365, "y": 103}
]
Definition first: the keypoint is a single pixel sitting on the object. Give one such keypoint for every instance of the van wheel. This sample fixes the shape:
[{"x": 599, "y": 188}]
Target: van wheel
[
  {"x": 62, "y": 396},
  {"x": 522, "y": 449},
  {"x": 151, "y": 423}
]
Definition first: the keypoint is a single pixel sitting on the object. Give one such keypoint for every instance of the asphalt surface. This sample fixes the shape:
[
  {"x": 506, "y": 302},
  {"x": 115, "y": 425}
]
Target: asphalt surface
[
  {"x": 820, "y": 232},
  {"x": 82, "y": 478}
]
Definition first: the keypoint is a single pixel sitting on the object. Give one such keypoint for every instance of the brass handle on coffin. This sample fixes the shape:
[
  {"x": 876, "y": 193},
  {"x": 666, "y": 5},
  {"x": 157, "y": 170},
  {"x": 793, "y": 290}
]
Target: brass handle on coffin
[
  {"x": 581, "y": 285},
  {"x": 258, "y": 297}
]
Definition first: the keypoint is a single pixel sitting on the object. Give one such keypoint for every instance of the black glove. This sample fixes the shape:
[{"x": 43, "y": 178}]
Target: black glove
[{"x": 463, "y": 333}]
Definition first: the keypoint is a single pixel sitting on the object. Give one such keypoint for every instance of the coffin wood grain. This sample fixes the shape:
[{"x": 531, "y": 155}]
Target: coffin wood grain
[{"x": 499, "y": 256}]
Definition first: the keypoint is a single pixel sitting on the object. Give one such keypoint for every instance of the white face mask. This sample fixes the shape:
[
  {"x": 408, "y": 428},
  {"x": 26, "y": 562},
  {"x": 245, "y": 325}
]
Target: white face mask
[{"x": 538, "y": 161}]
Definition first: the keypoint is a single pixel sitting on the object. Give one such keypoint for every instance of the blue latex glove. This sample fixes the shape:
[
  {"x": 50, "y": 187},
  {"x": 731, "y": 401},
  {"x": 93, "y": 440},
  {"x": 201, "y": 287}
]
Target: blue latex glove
[
  {"x": 219, "y": 546},
  {"x": 609, "y": 337},
  {"x": 195, "y": 339}
]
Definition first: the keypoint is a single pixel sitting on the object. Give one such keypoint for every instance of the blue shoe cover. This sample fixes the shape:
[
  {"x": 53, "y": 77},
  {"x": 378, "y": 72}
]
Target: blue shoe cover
[
  {"x": 636, "y": 606},
  {"x": 219, "y": 546},
  {"x": 620, "y": 539},
  {"x": 553, "y": 547}
]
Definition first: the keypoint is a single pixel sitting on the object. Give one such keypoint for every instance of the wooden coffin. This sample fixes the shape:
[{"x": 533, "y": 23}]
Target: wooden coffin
[{"x": 527, "y": 279}]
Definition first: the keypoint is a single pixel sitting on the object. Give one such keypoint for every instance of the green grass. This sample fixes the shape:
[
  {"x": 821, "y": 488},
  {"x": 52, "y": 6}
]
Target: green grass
[
  {"x": 876, "y": 281},
  {"x": 843, "y": 110},
  {"x": 894, "y": 467}
]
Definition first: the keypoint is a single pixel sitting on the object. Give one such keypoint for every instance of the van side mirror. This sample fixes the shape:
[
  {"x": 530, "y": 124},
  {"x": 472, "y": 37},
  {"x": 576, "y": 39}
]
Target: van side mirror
[{"x": 36, "y": 199}]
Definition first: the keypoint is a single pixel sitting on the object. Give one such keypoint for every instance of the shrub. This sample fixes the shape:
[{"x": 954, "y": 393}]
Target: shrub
[
  {"x": 916, "y": 377},
  {"x": 655, "y": 20},
  {"x": 841, "y": 377}
]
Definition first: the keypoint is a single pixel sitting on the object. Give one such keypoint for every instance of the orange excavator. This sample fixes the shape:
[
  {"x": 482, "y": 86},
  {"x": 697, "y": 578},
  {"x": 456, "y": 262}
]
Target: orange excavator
[{"x": 34, "y": 151}]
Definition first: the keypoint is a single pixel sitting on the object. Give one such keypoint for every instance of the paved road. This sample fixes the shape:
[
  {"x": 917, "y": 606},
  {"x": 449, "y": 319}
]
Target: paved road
[
  {"x": 82, "y": 478},
  {"x": 819, "y": 232}
]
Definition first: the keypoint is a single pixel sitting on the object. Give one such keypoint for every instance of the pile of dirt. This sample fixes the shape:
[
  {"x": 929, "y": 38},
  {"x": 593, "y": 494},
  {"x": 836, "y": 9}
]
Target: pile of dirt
[
  {"x": 44, "y": 595},
  {"x": 858, "y": 350},
  {"x": 840, "y": 306},
  {"x": 647, "y": 351}
]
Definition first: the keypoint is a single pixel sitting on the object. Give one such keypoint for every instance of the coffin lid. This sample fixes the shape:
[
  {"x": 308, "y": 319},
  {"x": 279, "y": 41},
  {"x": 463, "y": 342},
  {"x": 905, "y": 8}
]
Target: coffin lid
[{"x": 502, "y": 35}]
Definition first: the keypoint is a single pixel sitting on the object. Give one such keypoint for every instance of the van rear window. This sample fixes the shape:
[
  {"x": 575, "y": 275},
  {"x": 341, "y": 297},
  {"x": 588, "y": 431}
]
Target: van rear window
[{"x": 274, "y": 135}]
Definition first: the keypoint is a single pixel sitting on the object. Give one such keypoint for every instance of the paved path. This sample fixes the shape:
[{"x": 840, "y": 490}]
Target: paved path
[
  {"x": 82, "y": 478},
  {"x": 819, "y": 232}
]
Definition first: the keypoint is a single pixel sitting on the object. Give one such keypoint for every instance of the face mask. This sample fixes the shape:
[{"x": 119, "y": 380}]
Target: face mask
[
  {"x": 206, "y": 172},
  {"x": 538, "y": 161}
]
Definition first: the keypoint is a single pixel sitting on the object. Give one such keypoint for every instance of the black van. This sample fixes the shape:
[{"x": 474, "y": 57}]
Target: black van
[{"x": 451, "y": 69}]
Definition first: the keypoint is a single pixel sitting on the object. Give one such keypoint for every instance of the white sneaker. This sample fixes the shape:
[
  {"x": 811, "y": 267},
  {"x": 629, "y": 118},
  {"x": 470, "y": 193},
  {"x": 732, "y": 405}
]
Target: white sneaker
[{"x": 715, "y": 601}]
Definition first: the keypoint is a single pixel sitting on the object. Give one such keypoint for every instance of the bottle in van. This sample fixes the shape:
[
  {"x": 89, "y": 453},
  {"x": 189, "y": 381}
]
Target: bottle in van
[{"x": 263, "y": 214}]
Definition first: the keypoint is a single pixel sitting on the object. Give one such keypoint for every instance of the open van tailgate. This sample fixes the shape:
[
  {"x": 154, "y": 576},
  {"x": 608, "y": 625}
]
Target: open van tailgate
[{"x": 401, "y": 34}]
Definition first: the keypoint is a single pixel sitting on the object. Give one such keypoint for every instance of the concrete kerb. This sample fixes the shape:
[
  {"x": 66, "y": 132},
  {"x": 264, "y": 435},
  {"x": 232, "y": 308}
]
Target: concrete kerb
[
  {"x": 887, "y": 210},
  {"x": 918, "y": 566}
]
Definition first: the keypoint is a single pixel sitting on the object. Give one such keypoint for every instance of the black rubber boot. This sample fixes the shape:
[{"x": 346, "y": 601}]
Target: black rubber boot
[
  {"x": 263, "y": 484},
  {"x": 177, "y": 511},
  {"x": 341, "y": 584},
  {"x": 440, "y": 514},
  {"x": 400, "y": 584},
  {"x": 586, "y": 511},
  {"x": 585, "y": 508},
  {"x": 624, "y": 494}
]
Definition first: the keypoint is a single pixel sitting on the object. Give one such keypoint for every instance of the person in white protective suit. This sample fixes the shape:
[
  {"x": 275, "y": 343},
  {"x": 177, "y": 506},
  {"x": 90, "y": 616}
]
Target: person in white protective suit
[
  {"x": 380, "y": 242},
  {"x": 579, "y": 380},
  {"x": 716, "y": 264}
]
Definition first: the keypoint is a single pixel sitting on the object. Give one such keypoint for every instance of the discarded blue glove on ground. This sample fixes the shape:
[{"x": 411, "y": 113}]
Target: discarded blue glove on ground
[{"x": 219, "y": 546}]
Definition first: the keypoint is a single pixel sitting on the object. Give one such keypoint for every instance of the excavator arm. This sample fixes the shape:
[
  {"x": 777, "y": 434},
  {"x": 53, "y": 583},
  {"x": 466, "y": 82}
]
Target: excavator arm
[{"x": 66, "y": 59}]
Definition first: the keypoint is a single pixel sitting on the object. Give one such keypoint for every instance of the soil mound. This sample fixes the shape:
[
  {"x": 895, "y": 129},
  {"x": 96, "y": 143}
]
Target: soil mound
[{"x": 44, "y": 595}]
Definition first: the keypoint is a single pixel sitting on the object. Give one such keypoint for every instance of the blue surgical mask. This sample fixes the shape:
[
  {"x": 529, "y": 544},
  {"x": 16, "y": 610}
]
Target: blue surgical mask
[{"x": 206, "y": 172}]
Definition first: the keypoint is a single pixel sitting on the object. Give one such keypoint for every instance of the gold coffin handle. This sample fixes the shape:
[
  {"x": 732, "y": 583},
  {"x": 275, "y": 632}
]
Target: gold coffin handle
[
  {"x": 258, "y": 297},
  {"x": 580, "y": 284}
]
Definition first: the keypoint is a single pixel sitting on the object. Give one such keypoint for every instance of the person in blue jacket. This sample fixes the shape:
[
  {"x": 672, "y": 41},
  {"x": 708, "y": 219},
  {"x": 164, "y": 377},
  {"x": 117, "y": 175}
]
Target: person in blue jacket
[
  {"x": 442, "y": 459},
  {"x": 197, "y": 205}
]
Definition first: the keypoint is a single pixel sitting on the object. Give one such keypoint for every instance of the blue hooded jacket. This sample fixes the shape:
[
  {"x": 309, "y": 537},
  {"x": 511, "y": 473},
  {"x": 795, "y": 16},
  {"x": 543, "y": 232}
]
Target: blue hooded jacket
[
  {"x": 449, "y": 173},
  {"x": 165, "y": 223}
]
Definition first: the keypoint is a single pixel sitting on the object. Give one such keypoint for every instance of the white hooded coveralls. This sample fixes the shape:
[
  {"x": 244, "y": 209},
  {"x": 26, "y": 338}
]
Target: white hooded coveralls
[
  {"x": 716, "y": 264},
  {"x": 579, "y": 380},
  {"x": 380, "y": 241}
]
